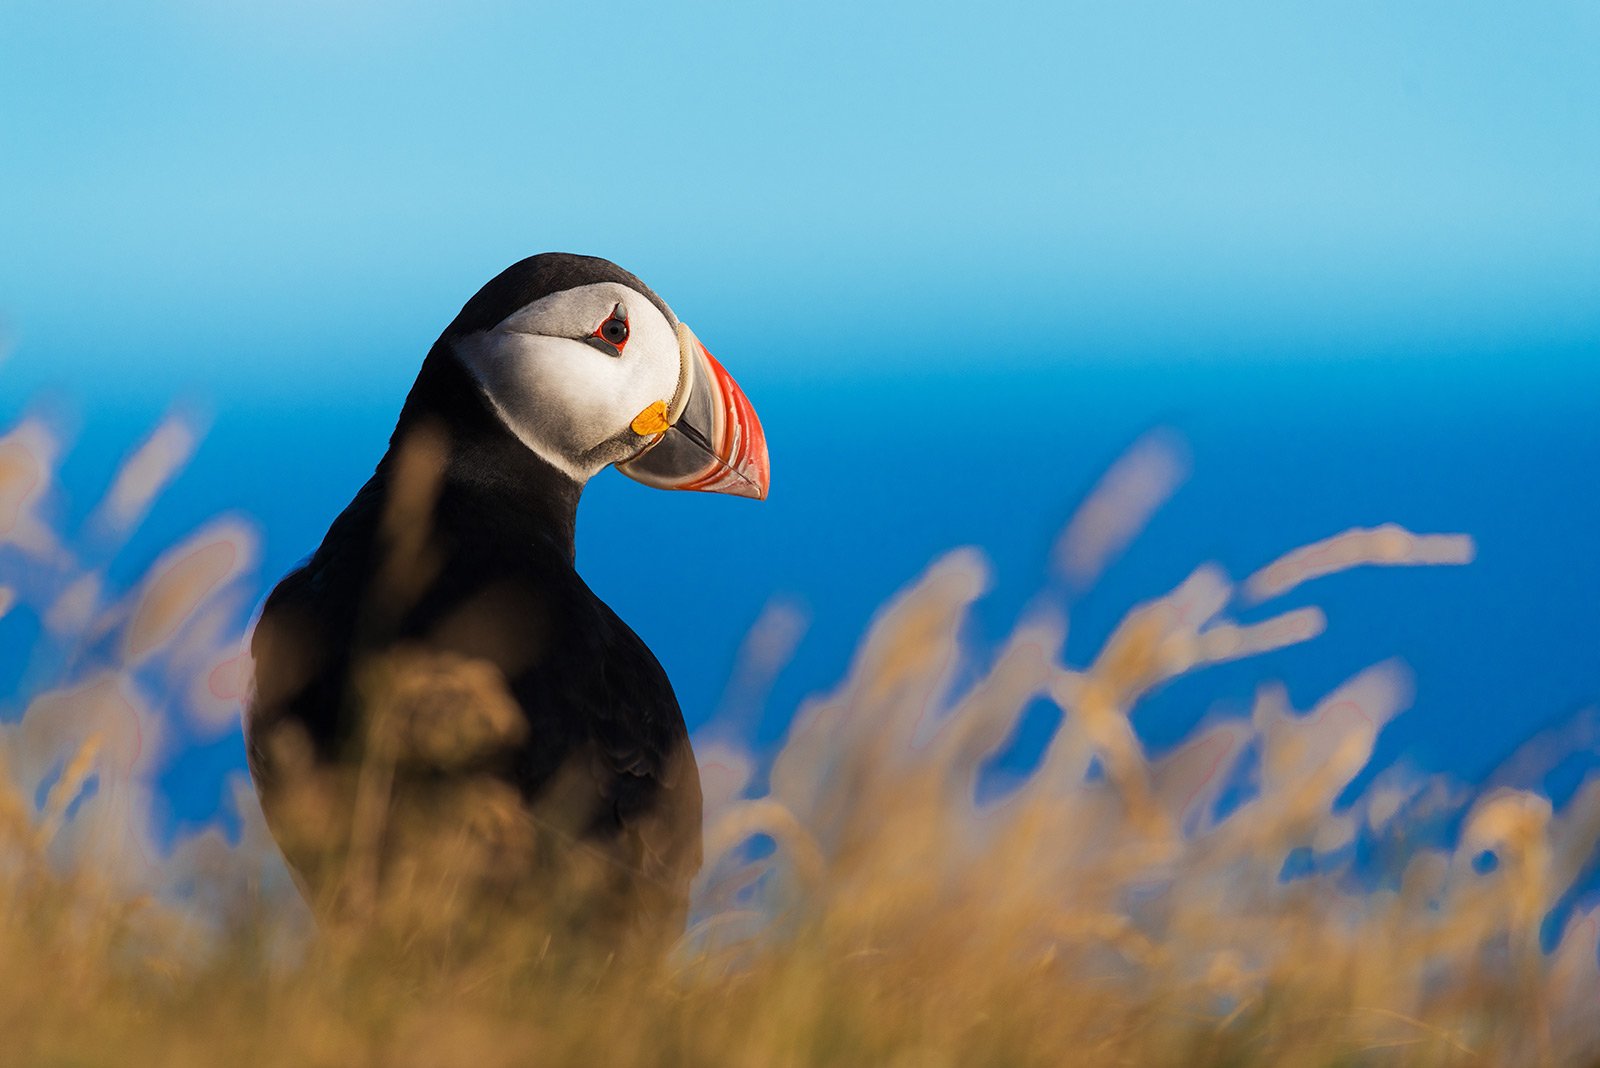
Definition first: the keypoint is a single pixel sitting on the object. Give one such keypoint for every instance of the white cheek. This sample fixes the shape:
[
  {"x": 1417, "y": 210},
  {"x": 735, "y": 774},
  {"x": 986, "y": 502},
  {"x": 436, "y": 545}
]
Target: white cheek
[
  {"x": 552, "y": 391},
  {"x": 587, "y": 397},
  {"x": 565, "y": 398},
  {"x": 655, "y": 372}
]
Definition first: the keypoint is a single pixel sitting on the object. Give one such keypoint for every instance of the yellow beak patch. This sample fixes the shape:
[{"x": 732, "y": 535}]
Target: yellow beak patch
[{"x": 651, "y": 421}]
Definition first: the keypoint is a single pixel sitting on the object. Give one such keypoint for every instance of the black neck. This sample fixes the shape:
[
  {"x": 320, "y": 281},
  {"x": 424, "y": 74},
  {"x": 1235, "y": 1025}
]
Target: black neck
[{"x": 485, "y": 460}]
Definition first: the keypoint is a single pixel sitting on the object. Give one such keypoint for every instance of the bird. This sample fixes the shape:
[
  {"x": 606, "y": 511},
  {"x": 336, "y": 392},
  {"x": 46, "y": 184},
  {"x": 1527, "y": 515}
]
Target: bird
[{"x": 439, "y": 663}]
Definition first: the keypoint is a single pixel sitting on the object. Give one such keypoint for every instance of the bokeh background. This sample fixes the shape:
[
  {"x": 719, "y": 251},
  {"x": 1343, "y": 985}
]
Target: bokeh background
[{"x": 959, "y": 255}]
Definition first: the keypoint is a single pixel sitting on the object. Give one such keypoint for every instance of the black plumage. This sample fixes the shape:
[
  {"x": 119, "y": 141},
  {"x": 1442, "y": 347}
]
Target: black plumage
[{"x": 454, "y": 565}]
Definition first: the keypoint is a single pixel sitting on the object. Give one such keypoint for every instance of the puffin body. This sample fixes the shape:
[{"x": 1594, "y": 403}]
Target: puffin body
[{"x": 439, "y": 664}]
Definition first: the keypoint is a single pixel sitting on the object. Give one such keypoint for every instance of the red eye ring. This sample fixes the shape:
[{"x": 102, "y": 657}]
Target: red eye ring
[{"x": 614, "y": 331}]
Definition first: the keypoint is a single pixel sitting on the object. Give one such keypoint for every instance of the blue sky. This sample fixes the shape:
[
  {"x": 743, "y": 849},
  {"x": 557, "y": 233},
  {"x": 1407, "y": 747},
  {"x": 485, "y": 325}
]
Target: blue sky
[
  {"x": 232, "y": 180},
  {"x": 959, "y": 254}
]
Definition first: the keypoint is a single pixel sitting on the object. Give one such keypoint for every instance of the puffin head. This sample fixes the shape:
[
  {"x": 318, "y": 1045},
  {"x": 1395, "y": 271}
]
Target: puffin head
[{"x": 588, "y": 367}]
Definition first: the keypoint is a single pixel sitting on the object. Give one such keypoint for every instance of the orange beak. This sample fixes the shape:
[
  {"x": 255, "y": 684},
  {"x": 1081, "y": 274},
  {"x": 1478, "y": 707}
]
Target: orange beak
[{"x": 707, "y": 437}]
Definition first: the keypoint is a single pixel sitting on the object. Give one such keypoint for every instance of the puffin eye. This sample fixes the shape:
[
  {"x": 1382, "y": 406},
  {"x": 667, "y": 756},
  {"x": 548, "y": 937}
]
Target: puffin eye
[{"x": 614, "y": 331}]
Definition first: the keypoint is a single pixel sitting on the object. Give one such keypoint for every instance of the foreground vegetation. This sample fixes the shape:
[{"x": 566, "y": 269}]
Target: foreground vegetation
[{"x": 863, "y": 901}]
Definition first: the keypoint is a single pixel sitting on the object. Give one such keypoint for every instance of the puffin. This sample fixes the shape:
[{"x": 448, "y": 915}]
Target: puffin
[{"x": 437, "y": 684}]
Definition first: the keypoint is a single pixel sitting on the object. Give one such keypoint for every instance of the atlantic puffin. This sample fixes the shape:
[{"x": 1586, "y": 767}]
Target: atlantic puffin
[{"x": 439, "y": 653}]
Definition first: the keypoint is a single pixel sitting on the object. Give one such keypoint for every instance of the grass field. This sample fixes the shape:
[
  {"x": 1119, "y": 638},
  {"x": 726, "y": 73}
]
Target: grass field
[{"x": 1222, "y": 904}]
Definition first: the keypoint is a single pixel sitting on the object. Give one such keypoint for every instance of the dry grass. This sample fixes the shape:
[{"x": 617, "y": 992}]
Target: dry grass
[{"x": 859, "y": 906}]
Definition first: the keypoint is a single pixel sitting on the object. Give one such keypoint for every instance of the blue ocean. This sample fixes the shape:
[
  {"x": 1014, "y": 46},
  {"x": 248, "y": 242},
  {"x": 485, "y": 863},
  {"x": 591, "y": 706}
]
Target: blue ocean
[{"x": 876, "y": 475}]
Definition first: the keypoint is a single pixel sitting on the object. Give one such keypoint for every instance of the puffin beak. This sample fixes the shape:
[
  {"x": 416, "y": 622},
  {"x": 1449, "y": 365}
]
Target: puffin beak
[{"x": 707, "y": 437}]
